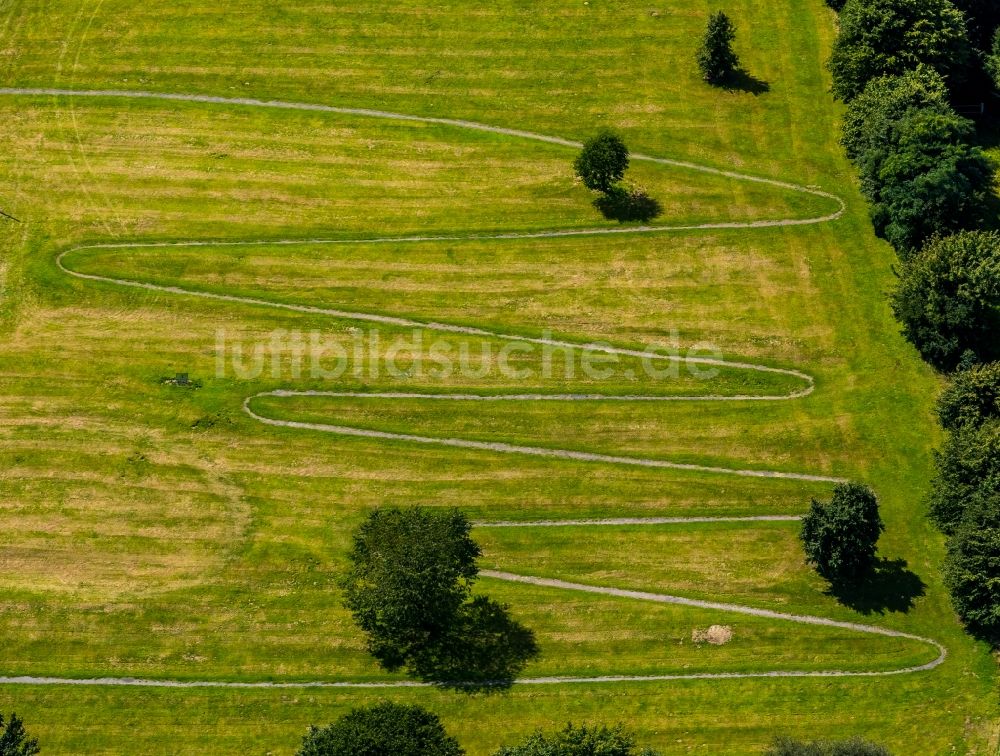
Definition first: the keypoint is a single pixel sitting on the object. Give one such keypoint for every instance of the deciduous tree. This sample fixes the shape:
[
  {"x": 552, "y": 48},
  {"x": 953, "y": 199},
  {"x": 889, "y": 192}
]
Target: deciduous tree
[
  {"x": 841, "y": 536},
  {"x": 890, "y": 37},
  {"x": 409, "y": 589},
  {"x": 602, "y": 162},
  {"x": 971, "y": 398},
  {"x": 926, "y": 179},
  {"x": 967, "y": 472},
  {"x": 579, "y": 741},
  {"x": 871, "y": 117},
  {"x": 386, "y": 729},
  {"x": 948, "y": 299},
  {"x": 972, "y": 568}
]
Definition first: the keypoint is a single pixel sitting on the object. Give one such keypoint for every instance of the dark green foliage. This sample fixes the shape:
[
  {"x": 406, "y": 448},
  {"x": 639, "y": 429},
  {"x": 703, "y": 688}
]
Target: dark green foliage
[
  {"x": 841, "y": 536},
  {"x": 993, "y": 60},
  {"x": 968, "y": 471},
  {"x": 716, "y": 58},
  {"x": 972, "y": 568},
  {"x": 971, "y": 398},
  {"x": 602, "y": 162},
  {"x": 409, "y": 589},
  {"x": 871, "y": 117},
  {"x": 890, "y": 37},
  {"x": 852, "y": 747},
  {"x": 483, "y": 645},
  {"x": 411, "y": 571},
  {"x": 579, "y": 741},
  {"x": 837, "y": 5},
  {"x": 926, "y": 179},
  {"x": 983, "y": 17},
  {"x": 14, "y": 741},
  {"x": 948, "y": 299},
  {"x": 386, "y": 729}
]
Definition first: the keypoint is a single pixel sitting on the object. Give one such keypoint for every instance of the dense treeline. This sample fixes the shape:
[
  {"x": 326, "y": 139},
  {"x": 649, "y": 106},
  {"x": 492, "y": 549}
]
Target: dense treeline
[{"x": 899, "y": 65}]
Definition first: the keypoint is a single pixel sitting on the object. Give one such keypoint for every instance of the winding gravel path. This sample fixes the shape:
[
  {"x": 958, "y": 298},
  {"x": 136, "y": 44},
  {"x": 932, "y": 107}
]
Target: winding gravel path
[{"x": 807, "y": 387}]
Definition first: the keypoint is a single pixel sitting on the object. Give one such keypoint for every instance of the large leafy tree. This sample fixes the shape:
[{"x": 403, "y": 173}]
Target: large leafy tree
[
  {"x": 409, "y": 589},
  {"x": 386, "y": 729},
  {"x": 885, "y": 37},
  {"x": 926, "y": 179},
  {"x": 411, "y": 571},
  {"x": 967, "y": 472},
  {"x": 14, "y": 740},
  {"x": 871, "y": 118},
  {"x": 948, "y": 299},
  {"x": 579, "y": 741},
  {"x": 717, "y": 59},
  {"x": 840, "y": 536},
  {"x": 972, "y": 568},
  {"x": 971, "y": 398},
  {"x": 602, "y": 162}
]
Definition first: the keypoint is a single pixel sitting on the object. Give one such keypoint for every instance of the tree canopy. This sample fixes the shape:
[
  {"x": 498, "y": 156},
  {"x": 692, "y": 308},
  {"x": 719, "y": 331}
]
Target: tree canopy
[
  {"x": 972, "y": 567},
  {"x": 410, "y": 590},
  {"x": 602, "y": 163},
  {"x": 386, "y": 729},
  {"x": 717, "y": 60},
  {"x": 948, "y": 299},
  {"x": 890, "y": 37},
  {"x": 926, "y": 179},
  {"x": 841, "y": 536},
  {"x": 971, "y": 397},
  {"x": 579, "y": 741},
  {"x": 871, "y": 117},
  {"x": 14, "y": 740},
  {"x": 967, "y": 471}
]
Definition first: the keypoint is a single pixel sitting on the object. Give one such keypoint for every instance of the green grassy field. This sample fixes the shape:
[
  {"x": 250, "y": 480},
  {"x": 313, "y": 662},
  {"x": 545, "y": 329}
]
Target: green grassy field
[{"x": 152, "y": 531}]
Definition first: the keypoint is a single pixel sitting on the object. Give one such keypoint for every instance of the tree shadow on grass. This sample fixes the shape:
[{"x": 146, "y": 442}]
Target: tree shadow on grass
[
  {"x": 628, "y": 205},
  {"x": 889, "y": 587},
  {"x": 484, "y": 652},
  {"x": 744, "y": 81}
]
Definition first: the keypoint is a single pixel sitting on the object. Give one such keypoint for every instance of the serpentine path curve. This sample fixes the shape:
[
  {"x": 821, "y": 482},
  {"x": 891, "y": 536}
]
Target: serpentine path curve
[{"x": 806, "y": 380}]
